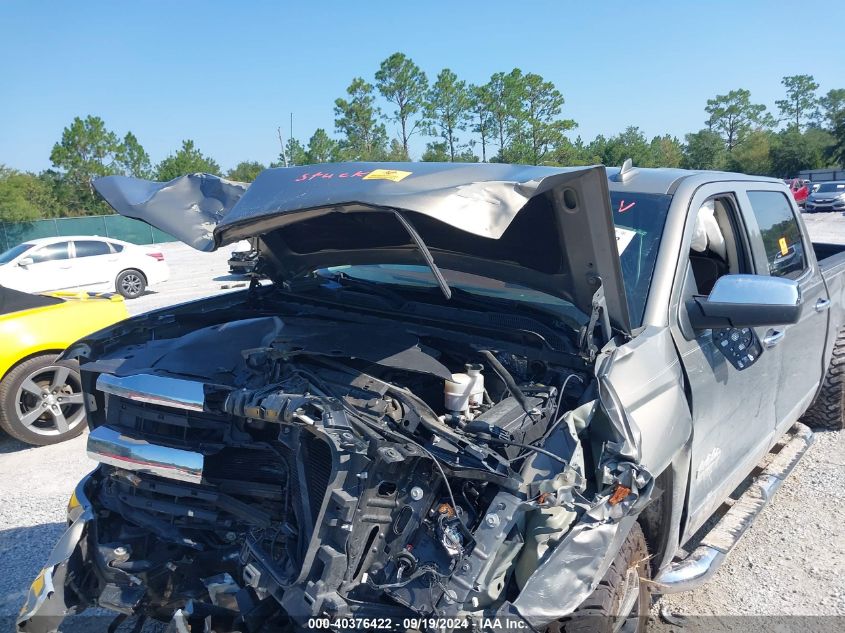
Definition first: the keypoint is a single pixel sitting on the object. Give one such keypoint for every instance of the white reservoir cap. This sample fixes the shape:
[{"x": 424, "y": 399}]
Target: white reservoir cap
[{"x": 457, "y": 392}]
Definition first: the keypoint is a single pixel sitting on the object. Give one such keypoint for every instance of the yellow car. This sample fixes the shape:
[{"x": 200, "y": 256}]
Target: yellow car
[{"x": 40, "y": 396}]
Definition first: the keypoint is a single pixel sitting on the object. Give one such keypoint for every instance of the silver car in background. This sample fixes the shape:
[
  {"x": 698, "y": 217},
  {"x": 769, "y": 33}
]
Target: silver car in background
[{"x": 827, "y": 196}]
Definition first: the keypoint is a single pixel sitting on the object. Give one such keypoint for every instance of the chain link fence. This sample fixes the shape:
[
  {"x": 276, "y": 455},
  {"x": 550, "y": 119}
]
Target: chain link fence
[{"x": 116, "y": 226}]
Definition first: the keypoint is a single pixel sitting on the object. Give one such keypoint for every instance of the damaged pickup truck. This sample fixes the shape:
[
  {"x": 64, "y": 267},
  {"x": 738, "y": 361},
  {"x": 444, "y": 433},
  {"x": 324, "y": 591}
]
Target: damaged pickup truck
[{"x": 469, "y": 395}]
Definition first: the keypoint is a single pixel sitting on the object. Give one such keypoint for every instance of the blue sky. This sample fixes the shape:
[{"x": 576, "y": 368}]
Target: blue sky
[{"x": 227, "y": 74}]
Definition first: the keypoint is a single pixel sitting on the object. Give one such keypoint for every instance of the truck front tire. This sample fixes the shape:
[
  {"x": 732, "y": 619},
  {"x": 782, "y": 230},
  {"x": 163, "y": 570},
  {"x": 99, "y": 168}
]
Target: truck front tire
[
  {"x": 622, "y": 600},
  {"x": 828, "y": 410}
]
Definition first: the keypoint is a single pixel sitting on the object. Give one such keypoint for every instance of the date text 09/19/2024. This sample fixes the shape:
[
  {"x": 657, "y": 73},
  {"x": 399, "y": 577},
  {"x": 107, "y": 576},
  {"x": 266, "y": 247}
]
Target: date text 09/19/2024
[{"x": 419, "y": 624}]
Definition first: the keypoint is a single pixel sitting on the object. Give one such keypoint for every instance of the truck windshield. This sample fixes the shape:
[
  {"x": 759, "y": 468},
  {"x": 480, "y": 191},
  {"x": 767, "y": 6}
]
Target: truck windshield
[
  {"x": 421, "y": 276},
  {"x": 639, "y": 220}
]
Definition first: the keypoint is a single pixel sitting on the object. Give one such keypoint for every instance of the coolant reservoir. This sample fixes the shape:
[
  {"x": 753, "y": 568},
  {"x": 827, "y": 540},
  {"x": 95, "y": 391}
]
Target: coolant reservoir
[
  {"x": 476, "y": 391},
  {"x": 464, "y": 391}
]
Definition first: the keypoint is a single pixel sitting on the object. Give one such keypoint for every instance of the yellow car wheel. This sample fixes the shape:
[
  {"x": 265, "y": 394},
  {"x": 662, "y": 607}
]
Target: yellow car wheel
[{"x": 41, "y": 401}]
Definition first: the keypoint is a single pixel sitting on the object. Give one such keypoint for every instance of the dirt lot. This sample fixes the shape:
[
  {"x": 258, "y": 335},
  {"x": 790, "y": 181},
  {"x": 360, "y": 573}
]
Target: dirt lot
[{"x": 791, "y": 563}]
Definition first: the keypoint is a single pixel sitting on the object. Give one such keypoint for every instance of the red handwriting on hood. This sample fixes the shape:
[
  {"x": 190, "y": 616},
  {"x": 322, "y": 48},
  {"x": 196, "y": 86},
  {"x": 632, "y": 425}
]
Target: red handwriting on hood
[
  {"x": 320, "y": 174},
  {"x": 625, "y": 207}
]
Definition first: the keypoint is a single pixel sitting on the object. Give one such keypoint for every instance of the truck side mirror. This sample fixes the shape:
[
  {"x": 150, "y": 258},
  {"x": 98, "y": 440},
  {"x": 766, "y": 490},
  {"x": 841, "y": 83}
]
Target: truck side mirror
[
  {"x": 25, "y": 261},
  {"x": 738, "y": 301}
]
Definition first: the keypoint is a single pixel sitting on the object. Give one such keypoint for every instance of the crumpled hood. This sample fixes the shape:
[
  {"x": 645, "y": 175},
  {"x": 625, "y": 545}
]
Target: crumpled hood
[
  {"x": 188, "y": 207},
  {"x": 547, "y": 228}
]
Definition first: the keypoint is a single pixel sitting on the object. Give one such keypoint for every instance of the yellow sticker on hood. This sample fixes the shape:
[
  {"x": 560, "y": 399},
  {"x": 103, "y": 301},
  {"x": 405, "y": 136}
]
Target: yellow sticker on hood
[
  {"x": 387, "y": 174},
  {"x": 37, "y": 585},
  {"x": 784, "y": 249}
]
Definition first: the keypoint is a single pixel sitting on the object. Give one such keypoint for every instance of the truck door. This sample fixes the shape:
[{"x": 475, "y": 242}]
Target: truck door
[
  {"x": 783, "y": 250},
  {"x": 733, "y": 410}
]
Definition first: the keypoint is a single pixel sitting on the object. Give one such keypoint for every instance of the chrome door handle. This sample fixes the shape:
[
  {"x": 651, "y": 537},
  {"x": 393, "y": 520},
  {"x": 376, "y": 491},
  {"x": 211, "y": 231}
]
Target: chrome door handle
[
  {"x": 822, "y": 305},
  {"x": 773, "y": 337}
]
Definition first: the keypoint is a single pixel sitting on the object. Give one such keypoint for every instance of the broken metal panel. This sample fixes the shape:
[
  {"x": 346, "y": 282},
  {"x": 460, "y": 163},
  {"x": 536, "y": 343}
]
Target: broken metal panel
[
  {"x": 481, "y": 200},
  {"x": 47, "y": 603},
  {"x": 575, "y": 566},
  {"x": 572, "y": 571},
  {"x": 188, "y": 207},
  {"x": 645, "y": 379}
]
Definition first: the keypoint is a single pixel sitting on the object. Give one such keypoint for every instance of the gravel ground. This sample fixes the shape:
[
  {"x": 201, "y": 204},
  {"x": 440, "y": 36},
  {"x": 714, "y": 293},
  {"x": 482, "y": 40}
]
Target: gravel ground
[
  {"x": 791, "y": 562},
  {"x": 192, "y": 275}
]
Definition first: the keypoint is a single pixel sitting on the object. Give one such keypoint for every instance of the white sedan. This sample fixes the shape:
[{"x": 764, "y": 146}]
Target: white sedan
[{"x": 92, "y": 263}]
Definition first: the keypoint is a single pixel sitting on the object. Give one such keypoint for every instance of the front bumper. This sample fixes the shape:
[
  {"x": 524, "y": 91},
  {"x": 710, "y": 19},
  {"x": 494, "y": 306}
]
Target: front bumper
[
  {"x": 825, "y": 207},
  {"x": 49, "y": 601}
]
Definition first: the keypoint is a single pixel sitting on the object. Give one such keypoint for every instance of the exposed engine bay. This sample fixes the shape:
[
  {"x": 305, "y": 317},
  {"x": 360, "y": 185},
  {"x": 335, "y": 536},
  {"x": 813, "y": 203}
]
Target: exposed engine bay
[{"x": 285, "y": 464}]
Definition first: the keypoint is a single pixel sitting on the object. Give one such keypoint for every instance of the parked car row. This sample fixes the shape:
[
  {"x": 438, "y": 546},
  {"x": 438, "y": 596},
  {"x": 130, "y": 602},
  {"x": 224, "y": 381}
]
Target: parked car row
[
  {"x": 40, "y": 395},
  {"x": 817, "y": 196},
  {"x": 88, "y": 262},
  {"x": 826, "y": 196}
]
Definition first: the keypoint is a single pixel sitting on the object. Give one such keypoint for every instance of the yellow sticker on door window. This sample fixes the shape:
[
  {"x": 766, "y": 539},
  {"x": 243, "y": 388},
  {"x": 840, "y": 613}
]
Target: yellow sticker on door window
[
  {"x": 387, "y": 174},
  {"x": 784, "y": 249}
]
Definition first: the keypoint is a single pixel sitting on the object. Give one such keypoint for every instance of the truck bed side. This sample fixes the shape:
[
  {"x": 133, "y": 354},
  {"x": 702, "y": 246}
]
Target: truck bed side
[
  {"x": 829, "y": 254},
  {"x": 831, "y": 261}
]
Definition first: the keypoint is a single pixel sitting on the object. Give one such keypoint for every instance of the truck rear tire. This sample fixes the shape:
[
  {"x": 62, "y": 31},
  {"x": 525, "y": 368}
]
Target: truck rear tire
[
  {"x": 622, "y": 600},
  {"x": 828, "y": 410}
]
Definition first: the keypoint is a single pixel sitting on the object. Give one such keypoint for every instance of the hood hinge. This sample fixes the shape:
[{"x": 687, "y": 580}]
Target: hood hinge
[{"x": 591, "y": 341}]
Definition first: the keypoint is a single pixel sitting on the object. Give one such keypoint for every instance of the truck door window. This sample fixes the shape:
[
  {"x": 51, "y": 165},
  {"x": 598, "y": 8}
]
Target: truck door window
[
  {"x": 714, "y": 249},
  {"x": 780, "y": 233}
]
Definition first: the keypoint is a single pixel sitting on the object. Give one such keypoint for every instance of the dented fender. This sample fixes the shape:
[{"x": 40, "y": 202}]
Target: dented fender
[
  {"x": 648, "y": 387},
  {"x": 574, "y": 568},
  {"x": 573, "y": 571},
  {"x": 47, "y": 603}
]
